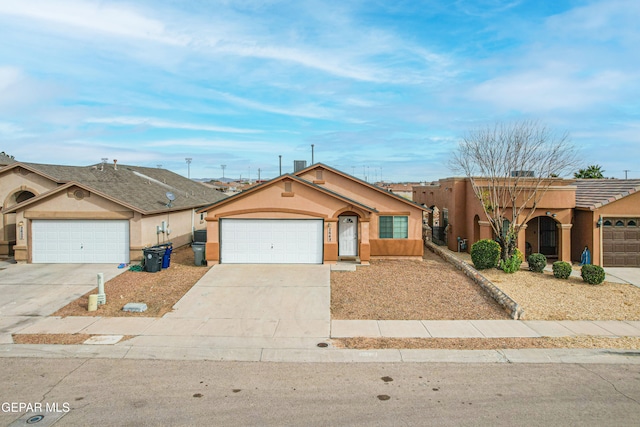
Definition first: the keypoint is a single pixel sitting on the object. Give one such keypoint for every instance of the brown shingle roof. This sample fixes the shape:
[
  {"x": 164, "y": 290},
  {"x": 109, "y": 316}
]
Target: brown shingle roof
[
  {"x": 595, "y": 193},
  {"x": 142, "y": 188}
]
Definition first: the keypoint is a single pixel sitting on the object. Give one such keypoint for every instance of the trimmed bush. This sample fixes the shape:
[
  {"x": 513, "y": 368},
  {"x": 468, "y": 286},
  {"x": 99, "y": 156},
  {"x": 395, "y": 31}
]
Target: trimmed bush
[
  {"x": 537, "y": 262},
  {"x": 485, "y": 254},
  {"x": 519, "y": 255},
  {"x": 561, "y": 270},
  {"x": 592, "y": 274},
  {"x": 512, "y": 264}
]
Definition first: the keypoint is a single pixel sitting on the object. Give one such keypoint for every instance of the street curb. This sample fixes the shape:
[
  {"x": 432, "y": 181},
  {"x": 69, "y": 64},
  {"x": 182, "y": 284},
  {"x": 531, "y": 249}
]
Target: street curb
[{"x": 513, "y": 308}]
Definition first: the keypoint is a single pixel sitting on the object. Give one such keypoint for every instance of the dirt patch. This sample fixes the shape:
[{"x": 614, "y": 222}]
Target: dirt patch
[
  {"x": 543, "y": 297},
  {"x": 629, "y": 343},
  {"x": 56, "y": 338},
  {"x": 160, "y": 291},
  {"x": 431, "y": 289},
  {"x": 50, "y": 338}
]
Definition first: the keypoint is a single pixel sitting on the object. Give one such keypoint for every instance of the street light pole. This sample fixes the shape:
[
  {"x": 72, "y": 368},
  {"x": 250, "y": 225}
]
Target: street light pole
[{"x": 188, "y": 160}]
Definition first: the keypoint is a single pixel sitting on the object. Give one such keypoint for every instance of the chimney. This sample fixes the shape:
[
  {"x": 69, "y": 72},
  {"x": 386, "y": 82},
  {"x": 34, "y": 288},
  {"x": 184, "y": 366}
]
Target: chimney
[{"x": 115, "y": 164}]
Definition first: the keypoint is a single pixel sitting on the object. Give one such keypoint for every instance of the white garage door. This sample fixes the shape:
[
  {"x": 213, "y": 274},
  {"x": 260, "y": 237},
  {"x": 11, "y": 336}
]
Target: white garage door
[
  {"x": 80, "y": 241},
  {"x": 271, "y": 241}
]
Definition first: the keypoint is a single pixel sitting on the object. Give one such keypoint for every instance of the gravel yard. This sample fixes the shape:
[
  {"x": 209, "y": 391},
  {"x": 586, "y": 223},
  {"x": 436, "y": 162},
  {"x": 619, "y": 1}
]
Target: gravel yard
[
  {"x": 544, "y": 297},
  {"x": 160, "y": 291},
  {"x": 430, "y": 289}
]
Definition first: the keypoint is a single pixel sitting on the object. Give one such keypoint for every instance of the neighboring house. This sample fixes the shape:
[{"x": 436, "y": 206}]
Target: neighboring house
[
  {"x": 317, "y": 215},
  {"x": 401, "y": 189},
  {"x": 6, "y": 159},
  {"x": 602, "y": 215},
  {"x": 95, "y": 214}
]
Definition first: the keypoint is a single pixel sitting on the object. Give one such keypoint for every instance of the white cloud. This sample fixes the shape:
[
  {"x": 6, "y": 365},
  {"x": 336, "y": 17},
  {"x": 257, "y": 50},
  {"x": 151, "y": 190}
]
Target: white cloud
[
  {"x": 158, "y": 123},
  {"x": 117, "y": 20}
]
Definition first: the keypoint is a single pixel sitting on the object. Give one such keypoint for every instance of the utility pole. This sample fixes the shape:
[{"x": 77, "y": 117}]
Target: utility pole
[
  {"x": 312, "y": 162},
  {"x": 625, "y": 173},
  {"x": 259, "y": 174},
  {"x": 188, "y": 160},
  {"x": 223, "y": 168},
  {"x": 280, "y": 156}
]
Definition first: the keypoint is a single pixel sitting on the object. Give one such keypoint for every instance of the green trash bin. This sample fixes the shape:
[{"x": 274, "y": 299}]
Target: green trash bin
[{"x": 199, "y": 253}]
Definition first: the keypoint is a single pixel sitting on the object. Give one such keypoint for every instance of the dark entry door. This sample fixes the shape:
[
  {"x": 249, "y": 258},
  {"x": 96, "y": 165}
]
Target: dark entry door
[{"x": 548, "y": 236}]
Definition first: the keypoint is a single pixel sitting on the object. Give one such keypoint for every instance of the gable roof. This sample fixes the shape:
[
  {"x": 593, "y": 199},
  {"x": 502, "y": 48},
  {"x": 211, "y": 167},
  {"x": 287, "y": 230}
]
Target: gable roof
[
  {"x": 261, "y": 186},
  {"x": 365, "y": 183},
  {"x": 594, "y": 193},
  {"x": 142, "y": 189}
]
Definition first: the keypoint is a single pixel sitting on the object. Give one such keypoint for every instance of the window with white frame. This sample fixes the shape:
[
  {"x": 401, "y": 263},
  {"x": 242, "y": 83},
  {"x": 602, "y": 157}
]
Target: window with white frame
[{"x": 394, "y": 227}]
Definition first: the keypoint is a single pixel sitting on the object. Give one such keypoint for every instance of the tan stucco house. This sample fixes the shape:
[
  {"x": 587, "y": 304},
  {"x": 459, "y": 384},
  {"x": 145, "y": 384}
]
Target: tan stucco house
[
  {"x": 104, "y": 213},
  {"x": 317, "y": 215},
  {"x": 600, "y": 214}
]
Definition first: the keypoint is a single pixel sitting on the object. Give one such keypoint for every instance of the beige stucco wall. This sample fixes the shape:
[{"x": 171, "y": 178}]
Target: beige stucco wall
[{"x": 12, "y": 182}]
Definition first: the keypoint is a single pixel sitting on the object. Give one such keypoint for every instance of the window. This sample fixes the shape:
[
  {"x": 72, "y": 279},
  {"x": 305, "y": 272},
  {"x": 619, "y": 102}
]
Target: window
[
  {"x": 607, "y": 223},
  {"x": 394, "y": 227},
  {"x": 631, "y": 223},
  {"x": 619, "y": 223}
]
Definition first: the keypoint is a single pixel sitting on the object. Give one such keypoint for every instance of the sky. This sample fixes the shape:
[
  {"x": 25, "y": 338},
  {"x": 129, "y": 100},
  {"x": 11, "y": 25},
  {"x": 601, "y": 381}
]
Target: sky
[{"x": 383, "y": 89}]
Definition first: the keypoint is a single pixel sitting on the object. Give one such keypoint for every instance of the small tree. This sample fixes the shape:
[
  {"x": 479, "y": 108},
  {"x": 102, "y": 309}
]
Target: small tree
[
  {"x": 591, "y": 172},
  {"x": 511, "y": 167}
]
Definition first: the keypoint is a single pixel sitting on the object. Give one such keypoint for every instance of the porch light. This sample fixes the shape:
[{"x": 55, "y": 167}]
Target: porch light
[{"x": 599, "y": 223}]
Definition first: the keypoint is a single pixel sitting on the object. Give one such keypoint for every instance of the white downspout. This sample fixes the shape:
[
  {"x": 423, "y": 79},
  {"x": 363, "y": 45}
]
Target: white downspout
[{"x": 193, "y": 227}]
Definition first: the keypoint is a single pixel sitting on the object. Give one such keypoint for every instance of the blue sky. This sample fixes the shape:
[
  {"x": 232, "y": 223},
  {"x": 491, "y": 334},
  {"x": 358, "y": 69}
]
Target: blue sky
[{"x": 382, "y": 88}]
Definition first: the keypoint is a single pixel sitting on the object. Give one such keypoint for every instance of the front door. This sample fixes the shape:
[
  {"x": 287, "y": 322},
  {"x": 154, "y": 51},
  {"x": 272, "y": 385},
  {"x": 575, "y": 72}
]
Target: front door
[
  {"x": 548, "y": 236},
  {"x": 348, "y": 236}
]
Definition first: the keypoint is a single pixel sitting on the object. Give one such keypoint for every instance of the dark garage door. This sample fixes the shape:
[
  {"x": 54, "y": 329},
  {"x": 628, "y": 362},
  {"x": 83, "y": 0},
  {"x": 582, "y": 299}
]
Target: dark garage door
[{"x": 621, "y": 242}]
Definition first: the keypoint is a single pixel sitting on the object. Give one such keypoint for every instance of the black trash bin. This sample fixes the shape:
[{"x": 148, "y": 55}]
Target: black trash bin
[{"x": 153, "y": 259}]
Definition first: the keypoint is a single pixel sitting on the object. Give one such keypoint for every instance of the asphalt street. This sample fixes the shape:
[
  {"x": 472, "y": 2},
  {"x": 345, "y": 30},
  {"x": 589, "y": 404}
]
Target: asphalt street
[{"x": 146, "y": 392}]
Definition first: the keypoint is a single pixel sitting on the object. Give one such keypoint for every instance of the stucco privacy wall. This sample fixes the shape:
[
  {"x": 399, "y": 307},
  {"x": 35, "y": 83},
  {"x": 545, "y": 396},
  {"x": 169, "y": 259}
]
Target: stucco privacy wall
[
  {"x": 383, "y": 202},
  {"x": 12, "y": 182}
]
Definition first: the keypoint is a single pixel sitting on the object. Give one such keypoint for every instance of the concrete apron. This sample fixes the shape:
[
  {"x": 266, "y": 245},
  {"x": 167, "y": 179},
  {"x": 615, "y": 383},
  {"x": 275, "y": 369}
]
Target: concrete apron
[{"x": 259, "y": 302}]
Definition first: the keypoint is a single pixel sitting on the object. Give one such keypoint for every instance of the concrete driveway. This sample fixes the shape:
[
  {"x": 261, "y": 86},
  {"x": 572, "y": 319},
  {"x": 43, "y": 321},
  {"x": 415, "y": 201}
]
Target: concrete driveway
[
  {"x": 31, "y": 291},
  {"x": 623, "y": 275},
  {"x": 274, "y": 301}
]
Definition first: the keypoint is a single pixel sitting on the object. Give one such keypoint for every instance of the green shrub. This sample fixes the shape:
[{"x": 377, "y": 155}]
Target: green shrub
[
  {"x": 519, "y": 255},
  {"x": 485, "y": 254},
  {"x": 512, "y": 264},
  {"x": 561, "y": 270},
  {"x": 537, "y": 262},
  {"x": 592, "y": 274}
]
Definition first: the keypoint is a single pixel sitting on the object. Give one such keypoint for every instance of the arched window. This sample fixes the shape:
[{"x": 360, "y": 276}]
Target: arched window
[
  {"x": 619, "y": 223},
  {"x": 24, "y": 195},
  {"x": 631, "y": 223},
  {"x": 607, "y": 223}
]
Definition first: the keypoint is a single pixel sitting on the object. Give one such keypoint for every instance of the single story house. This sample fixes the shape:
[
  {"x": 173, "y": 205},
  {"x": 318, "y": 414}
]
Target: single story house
[
  {"x": 104, "y": 213},
  {"x": 316, "y": 215},
  {"x": 600, "y": 214}
]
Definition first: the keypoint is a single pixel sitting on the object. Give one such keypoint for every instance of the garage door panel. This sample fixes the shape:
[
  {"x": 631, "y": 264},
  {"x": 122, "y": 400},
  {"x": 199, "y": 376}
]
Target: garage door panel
[
  {"x": 265, "y": 241},
  {"x": 621, "y": 243},
  {"x": 80, "y": 241}
]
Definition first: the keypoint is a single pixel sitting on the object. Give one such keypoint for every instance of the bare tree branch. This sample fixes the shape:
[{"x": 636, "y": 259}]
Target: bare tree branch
[{"x": 511, "y": 167}]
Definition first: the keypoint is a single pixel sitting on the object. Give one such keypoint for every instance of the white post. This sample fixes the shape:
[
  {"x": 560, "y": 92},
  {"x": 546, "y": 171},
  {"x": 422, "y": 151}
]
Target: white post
[{"x": 102, "y": 298}]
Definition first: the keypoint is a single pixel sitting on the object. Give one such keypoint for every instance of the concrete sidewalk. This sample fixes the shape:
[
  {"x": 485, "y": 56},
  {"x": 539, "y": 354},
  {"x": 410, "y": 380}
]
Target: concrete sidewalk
[{"x": 198, "y": 339}]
